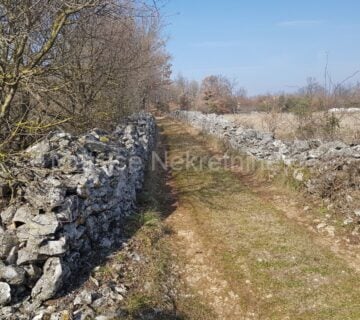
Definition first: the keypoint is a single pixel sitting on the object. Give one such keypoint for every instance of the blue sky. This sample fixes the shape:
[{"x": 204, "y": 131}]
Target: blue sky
[{"x": 267, "y": 46}]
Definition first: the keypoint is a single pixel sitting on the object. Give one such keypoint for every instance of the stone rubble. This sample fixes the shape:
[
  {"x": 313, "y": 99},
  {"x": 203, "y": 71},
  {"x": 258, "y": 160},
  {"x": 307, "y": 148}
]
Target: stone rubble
[
  {"x": 100, "y": 297},
  {"x": 63, "y": 199},
  {"x": 5, "y": 293}
]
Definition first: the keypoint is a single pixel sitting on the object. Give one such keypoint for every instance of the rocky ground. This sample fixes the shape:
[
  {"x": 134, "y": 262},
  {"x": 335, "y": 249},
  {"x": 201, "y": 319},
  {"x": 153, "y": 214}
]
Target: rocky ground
[{"x": 216, "y": 244}]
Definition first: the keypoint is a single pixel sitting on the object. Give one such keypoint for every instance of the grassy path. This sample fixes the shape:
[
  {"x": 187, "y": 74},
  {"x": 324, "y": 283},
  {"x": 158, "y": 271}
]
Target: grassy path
[{"x": 243, "y": 257}]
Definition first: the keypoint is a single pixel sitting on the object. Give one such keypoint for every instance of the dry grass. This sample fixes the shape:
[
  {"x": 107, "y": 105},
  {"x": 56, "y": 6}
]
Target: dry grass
[
  {"x": 273, "y": 267},
  {"x": 157, "y": 291},
  {"x": 214, "y": 247},
  {"x": 286, "y": 124}
]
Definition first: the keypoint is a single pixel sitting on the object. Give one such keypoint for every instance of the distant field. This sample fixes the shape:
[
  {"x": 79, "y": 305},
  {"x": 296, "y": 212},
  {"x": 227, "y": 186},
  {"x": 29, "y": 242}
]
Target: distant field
[{"x": 286, "y": 124}]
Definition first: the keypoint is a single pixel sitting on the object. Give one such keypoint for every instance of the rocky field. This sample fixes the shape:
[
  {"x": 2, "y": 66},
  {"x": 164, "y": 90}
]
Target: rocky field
[
  {"x": 139, "y": 224},
  {"x": 327, "y": 170},
  {"x": 284, "y": 125}
]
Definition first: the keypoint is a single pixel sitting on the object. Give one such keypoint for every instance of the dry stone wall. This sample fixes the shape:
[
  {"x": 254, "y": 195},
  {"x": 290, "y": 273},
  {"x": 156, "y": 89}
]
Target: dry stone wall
[
  {"x": 329, "y": 171},
  {"x": 264, "y": 146},
  {"x": 62, "y": 199}
]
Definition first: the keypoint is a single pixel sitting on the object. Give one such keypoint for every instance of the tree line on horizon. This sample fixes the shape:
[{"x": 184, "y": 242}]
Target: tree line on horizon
[
  {"x": 79, "y": 64},
  {"x": 219, "y": 94}
]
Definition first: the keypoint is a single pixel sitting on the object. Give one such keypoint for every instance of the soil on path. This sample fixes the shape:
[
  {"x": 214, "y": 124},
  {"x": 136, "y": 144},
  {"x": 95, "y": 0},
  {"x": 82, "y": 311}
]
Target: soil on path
[{"x": 244, "y": 256}]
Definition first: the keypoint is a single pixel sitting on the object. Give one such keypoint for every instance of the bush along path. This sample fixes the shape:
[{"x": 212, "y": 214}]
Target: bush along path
[{"x": 238, "y": 254}]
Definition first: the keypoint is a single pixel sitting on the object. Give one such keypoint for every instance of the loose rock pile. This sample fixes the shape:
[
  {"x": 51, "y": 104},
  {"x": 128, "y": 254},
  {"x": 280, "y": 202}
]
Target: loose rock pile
[
  {"x": 62, "y": 199},
  {"x": 264, "y": 146}
]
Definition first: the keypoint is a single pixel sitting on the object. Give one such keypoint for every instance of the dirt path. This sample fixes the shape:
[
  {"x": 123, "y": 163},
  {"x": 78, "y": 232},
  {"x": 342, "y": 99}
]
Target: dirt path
[{"x": 243, "y": 256}]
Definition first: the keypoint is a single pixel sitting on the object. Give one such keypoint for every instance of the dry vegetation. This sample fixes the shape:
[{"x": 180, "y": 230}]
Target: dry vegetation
[
  {"x": 303, "y": 114},
  {"x": 246, "y": 256},
  {"x": 285, "y": 125},
  {"x": 76, "y": 64},
  {"x": 209, "y": 245}
]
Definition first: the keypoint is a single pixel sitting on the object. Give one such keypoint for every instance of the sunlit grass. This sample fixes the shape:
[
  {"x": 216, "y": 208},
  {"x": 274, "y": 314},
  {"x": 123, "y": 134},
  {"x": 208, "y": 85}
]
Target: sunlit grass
[{"x": 276, "y": 266}]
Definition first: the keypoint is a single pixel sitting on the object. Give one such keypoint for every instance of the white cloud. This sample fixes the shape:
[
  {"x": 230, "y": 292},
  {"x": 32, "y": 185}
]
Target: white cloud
[{"x": 299, "y": 23}]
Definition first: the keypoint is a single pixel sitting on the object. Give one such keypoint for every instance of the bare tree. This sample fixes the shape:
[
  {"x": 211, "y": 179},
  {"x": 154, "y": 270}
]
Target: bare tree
[
  {"x": 77, "y": 60},
  {"x": 29, "y": 31},
  {"x": 184, "y": 93},
  {"x": 217, "y": 95}
]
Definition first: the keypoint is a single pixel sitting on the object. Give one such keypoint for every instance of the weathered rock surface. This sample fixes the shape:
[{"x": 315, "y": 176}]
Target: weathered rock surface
[
  {"x": 13, "y": 275},
  {"x": 7, "y": 242},
  {"x": 50, "y": 281},
  {"x": 70, "y": 197},
  {"x": 327, "y": 170},
  {"x": 5, "y": 293},
  {"x": 264, "y": 146}
]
